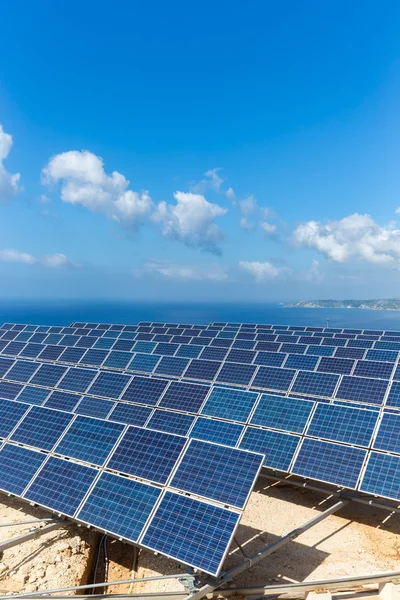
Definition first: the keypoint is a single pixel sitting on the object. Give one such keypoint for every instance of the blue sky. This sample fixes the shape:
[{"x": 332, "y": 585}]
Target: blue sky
[{"x": 200, "y": 151}]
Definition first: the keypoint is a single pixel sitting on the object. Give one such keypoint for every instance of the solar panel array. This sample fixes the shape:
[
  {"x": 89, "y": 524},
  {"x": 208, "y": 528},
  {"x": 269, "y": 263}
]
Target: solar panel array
[{"x": 323, "y": 406}]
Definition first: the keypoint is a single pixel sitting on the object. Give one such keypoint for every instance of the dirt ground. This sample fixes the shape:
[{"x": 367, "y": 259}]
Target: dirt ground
[{"x": 357, "y": 540}]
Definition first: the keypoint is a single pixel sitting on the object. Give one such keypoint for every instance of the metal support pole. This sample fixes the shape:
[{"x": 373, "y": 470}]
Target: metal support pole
[
  {"x": 34, "y": 533},
  {"x": 256, "y": 558},
  {"x": 27, "y": 522}
]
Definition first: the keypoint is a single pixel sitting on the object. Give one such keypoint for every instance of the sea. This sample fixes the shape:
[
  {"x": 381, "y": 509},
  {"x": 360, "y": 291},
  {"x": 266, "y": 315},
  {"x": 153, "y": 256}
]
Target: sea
[{"x": 64, "y": 312}]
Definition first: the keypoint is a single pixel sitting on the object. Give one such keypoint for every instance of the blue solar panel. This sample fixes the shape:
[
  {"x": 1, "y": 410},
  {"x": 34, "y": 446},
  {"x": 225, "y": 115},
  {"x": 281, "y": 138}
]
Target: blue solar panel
[
  {"x": 170, "y": 365},
  {"x": 241, "y": 356},
  {"x": 147, "y": 454},
  {"x": 165, "y": 349},
  {"x": 278, "y": 448},
  {"x": 269, "y": 359},
  {"x": 118, "y": 359},
  {"x": 387, "y": 346},
  {"x": 221, "y": 432},
  {"x": 214, "y": 353},
  {"x": 17, "y": 467},
  {"x": 219, "y": 343},
  {"x": 343, "y": 366},
  {"x": 332, "y": 463},
  {"x": 294, "y": 348},
  {"x": 275, "y": 379},
  {"x": 362, "y": 389},
  {"x": 223, "y": 474},
  {"x": 388, "y": 436},
  {"x": 14, "y": 348},
  {"x": 320, "y": 350},
  {"x": 296, "y": 361},
  {"x": 51, "y": 352},
  {"x": 94, "y": 407},
  {"x": 187, "y": 397},
  {"x": 85, "y": 342},
  {"x": 360, "y": 343},
  {"x": 268, "y": 346},
  {"x": 89, "y": 440},
  {"x": 231, "y": 404},
  {"x": 48, "y": 375},
  {"x": 22, "y": 370},
  {"x": 382, "y": 476},
  {"x": 174, "y": 530},
  {"x": 62, "y": 401},
  {"x": 145, "y": 391},
  {"x": 202, "y": 369},
  {"x": 188, "y": 351},
  {"x": 244, "y": 344},
  {"x": 69, "y": 340},
  {"x": 143, "y": 362},
  {"x": 33, "y": 395},
  {"x": 318, "y": 384},
  {"x": 72, "y": 355},
  {"x": 41, "y": 427},
  {"x": 288, "y": 414},
  {"x": 104, "y": 343},
  {"x": 350, "y": 352},
  {"x": 93, "y": 357},
  {"x": 170, "y": 422},
  {"x": 373, "y": 368},
  {"x": 9, "y": 391},
  {"x": 119, "y": 505},
  {"x": 342, "y": 424},
  {"x": 130, "y": 414},
  {"x": 238, "y": 373},
  {"x": 383, "y": 355},
  {"x": 77, "y": 379},
  {"x": 109, "y": 385},
  {"x": 5, "y": 364},
  {"x": 10, "y": 414},
  {"x": 61, "y": 485}
]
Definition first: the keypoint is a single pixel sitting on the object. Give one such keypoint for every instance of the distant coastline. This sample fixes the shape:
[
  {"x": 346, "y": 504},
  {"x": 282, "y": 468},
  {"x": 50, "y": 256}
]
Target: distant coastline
[{"x": 390, "y": 304}]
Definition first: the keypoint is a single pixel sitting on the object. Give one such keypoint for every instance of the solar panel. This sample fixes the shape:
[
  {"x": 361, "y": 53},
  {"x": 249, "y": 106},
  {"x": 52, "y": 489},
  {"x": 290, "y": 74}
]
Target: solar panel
[
  {"x": 170, "y": 365},
  {"x": 350, "y": 352},
  {"x": 131, "y": 414},
  {"x": 109, "y": 385},
  {"x": 279, "y": 448},
  {"x": 230, "y": 404},
  {"x": 147, "y": 454},
  {"x": 89, "y": 440},
  {"x": 174, "y": 530},
  {"x": 93, "y": 357},
  {"x": 388, "y": 436},
  {"x": 220, "y": 432},
  {"x": 94, "y": 407},
  {"x": 48, "y": 375},
  {"x": 342, "y": 424},
  {"x": 144, "y": 391},
  {"x": 170, "y": 422},
  {"x": 269, "y": 359},
  {"x": 271, "y": 378},
  {"x": 119, "y": 505},
  {"x": 240, "y": 374},
  {"x": 223, "y": 474},
  {"x": 307, "y": 363},
  {"x": 188, "y": 351},
  {"x": 288, "y": 414},
  {"x": 184, "y": 396},
  {"x": 143, "y": 362},
  {"x": 17, "y": 467},
  {"x": 318, "y": 384},
  {"x": 61, "y": 485},
  {"x": 202, "y": 369},
  {"x": 10, "y": 414},
  {"x": 22, "y": 370},
  {"x": 77, "y": 379},
  {"x": 118, "y": 359},
  {"x": 332, "y": 463},
  {"x": 9, "y": 391},
  {"x": 320, "y": 350},
  {"x": 33, "y": 395},
  {"x": 382, "y": 476},
  {"x": 343, "y": 366},
  {"x": 373, "y": 368},
  {"x": 62, "y": 400},
  {"x": 41, "y": 427},
  {"x": 362, "y": 389}
]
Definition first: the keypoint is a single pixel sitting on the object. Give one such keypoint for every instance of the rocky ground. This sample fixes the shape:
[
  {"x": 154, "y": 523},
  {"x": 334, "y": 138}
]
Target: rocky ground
[{"x": 357, "y": 540}]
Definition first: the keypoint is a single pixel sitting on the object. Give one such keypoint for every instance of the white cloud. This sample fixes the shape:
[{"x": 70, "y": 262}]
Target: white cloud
[
  {"x": 44, "y": 199},
  {"x": 397, "y": 211},
  {"x": 248, "y": 205},
  {"x": 57, "y": 261},
  {"x": 191, "y": 221},
  {"x": 260, "y": 271},
  {"x": 8, "y": 182},
  {"x": 230, "y": 194},
  {"x": 84, "y": 182},
  {"x": 212, "y": 181},
  {"x": 14, "y": 256},
  {"x": 245, "y": 224},
  {"x": 314, "y": 273},
  {"x": 183, "y": 272},
  {"x": 356, "y": 236},
  {"x": 268, "y": 228}
]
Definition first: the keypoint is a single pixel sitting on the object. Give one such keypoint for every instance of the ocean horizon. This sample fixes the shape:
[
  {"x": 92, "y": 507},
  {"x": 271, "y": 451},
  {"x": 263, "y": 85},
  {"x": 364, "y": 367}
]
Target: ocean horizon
[{"x": 64, "y": 312}]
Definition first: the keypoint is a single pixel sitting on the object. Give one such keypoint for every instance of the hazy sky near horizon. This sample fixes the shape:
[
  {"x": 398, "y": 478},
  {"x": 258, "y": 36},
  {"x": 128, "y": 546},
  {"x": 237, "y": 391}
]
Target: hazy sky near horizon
[{"x": 215, "y": 150}]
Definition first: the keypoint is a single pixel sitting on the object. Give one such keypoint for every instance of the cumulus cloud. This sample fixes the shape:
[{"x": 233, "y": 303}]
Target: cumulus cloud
[
  {"x": 212, "y": 180},
  {"x": 50, "y": 260},
  {"x": 314, "y": 273},
  {"x": 268, "y": 228},
  {"x": 84, "y": 182},
  {"x": 191, "y": 221},
  {"x": 183, "y": 272},
  {"x": 230, "y": 194},
  {"x": 260, "y": 271},
  {"x": 245, "y": 224},
  {"x": 353, "y": 237},
  {"x": 8, "y": 182}
]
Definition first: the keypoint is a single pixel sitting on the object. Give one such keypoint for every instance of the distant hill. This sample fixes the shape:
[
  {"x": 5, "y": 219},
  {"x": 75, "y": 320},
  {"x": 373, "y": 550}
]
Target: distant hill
[{"x": 390, "y": 304}]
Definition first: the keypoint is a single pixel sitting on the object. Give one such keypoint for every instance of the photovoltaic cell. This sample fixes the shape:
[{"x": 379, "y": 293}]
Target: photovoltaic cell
[
  {"x": 188, "y": 351},
  {"x": 288, "y": 414},
  {"x": 9, "y": 391},
  {"x": 10, "y": 414},
  {"x": 350, "y": 352},
  {"x": 170, "y": 422},
  {"x": 51, "y": 352},
  {"x": 93, "y": 357},
  {"x": 223, "y": 474},
  {"x": 77, "y": 379},
  {"x": 332, "y": 463},
  {"x": 273, "y": 378},
  {"x": 388, "y": 436},
  {"x": 383, "y": 355},
  {"x": 237, "y": 373},
  {"x": 318, "y": 384},
  {"x": 130, "y": 414},
  {"x": 62, "y": 401},
  {"x": 170, "y": 365},
  {"x": 33, "y": 395},
  {"x": 109, "y": 385},
  {"x": 174, "y": 530},
  {"x": 214, "y": 353},
  {"x": 61, "y": 485},
  {"x": 143, "y": 362},
  {"x": 382, "y": 476},
  {"x": 230, "y": 404},
  {"x": 147, "y": 454},
  {"x": 187, "y": 397},
  {"x": 144, "y": 390},
  {"x": 118, "y": 359},
  {"x": 362, "y": 389},
  {"x": 72, "y": 355},
  {"x": 342, "y": 424},
  {"x": 202, "y": 369},
  {"x": 89, "y": 440},
  {"x": 22, "y": 370},
  {"x": 41, "y": 427},
  {"x": 119, "y": 505},
  {"x": 48, "y": 375},
  {"x": 17, "y": 467},
  {"x": 220, "y": 432},
  {"x": 373, "y": 368},
  {"x": 94, "y": 407},
  {"x": 320, "y": 350},
  {"x": 5, "y": 364},
  {"x": 343, "y": 366},
  {"x": 278, "y": 448},
  {"x": 269, "y": 359},
  {"x": 295, "y": 361}
]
